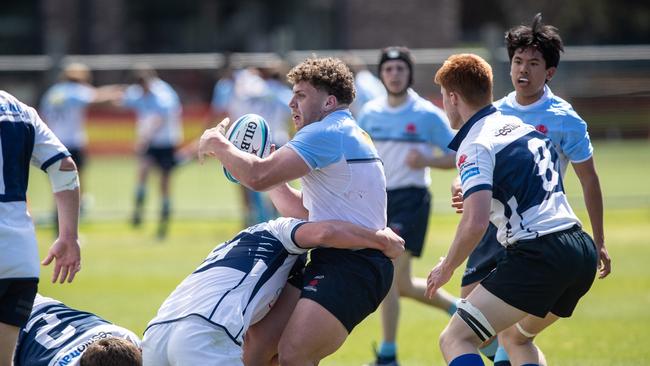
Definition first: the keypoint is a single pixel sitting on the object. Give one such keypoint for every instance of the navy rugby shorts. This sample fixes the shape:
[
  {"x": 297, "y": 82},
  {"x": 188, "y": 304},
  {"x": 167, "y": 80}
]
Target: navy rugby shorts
[{"x": 547, "y": 274}]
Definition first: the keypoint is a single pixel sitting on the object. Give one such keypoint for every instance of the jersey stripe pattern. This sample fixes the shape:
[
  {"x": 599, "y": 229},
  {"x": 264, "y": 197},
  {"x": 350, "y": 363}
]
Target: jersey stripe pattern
[{"x": 521, "y": 168}]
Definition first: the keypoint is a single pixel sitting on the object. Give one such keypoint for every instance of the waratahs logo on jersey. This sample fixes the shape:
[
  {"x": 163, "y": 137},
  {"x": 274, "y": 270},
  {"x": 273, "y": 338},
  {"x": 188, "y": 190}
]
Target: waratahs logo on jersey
[
  {"x": 461, "y": 160},
  {"x": 411, "y": 128},
  {"x": 466, "y": 169}
]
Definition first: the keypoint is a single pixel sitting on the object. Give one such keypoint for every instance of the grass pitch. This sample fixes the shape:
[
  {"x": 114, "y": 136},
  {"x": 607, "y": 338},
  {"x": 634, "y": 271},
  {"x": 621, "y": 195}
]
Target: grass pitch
[{"x": 127, "y": 273}]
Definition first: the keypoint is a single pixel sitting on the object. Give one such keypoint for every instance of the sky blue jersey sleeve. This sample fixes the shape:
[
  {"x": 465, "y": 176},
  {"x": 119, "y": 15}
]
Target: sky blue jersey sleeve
[
  {"x": 576, "y": 143},
  {"x": 442, "y": 135},
  {"x": 317, "y": 145}
]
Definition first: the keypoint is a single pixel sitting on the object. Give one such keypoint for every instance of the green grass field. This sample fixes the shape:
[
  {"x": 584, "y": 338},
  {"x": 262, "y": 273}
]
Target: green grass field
[{"x": 127, "y": 273}]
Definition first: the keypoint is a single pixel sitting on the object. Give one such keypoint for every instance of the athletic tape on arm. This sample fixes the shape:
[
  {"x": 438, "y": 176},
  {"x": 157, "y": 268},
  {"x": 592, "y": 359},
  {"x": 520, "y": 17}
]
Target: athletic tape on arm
[{"x": 62, "y": 180}]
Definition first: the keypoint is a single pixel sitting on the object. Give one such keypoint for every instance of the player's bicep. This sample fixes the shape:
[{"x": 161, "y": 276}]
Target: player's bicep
[{"x": 282, "y": 166}]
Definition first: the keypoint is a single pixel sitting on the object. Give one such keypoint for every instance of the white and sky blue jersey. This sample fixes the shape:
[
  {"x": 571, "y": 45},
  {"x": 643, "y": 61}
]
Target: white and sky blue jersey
[
  {"x": 520, "y": 166},
  {"x": 416, "y": 124},
  {"x": 239, "y": 280},
  {"x": 161, "y": 103},
  {"x": 63, "y": 108},
  {"x": 555, "y": 118},
  {"x": 56, "y": 335},
  {"x": 347, "y": 179},
  {"x": 24, "y": 138}
]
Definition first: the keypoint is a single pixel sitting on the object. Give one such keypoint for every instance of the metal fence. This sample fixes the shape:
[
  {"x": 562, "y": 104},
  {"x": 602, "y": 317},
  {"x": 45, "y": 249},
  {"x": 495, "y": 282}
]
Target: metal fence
[{"x": 608, "y": 85}]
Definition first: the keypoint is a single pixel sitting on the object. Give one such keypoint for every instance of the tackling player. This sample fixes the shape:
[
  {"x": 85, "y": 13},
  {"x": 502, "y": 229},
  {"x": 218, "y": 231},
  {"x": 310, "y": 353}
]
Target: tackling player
[
  {"x": 206, "y": 318},
  {"x": 24, "y": 137}
]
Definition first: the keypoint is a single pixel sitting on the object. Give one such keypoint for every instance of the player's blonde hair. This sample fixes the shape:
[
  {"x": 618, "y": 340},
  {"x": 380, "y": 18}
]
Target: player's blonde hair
[
  {"x": 328, "y": 74},
  {"x": 469, "y": 75}
]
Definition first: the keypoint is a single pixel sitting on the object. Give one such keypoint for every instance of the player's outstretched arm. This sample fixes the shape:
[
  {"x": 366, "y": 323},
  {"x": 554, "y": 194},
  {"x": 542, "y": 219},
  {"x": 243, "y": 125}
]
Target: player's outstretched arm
[
  {"x": 345, "y": 235},
  {"x": 255, "y": 173},
  {"x": 593, "y": 196},
  {"x": 65, "y": 251}
]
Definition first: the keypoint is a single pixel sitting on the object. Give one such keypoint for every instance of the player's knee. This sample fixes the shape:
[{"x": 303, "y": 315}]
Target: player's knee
[
  {"x": 516, "y": 337},
  {"x": 290, "y": 357},
  {"x": 404, "y": 284},
  {"x": 291, "y": 353},
  {"x": 257, "y": 349}
]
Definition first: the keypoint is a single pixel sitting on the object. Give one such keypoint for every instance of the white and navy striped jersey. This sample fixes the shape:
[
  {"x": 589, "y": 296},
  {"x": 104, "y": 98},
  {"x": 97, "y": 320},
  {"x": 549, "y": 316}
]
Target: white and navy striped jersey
[
  {"x": 520, "y": 166},
  {"x": 238, "y": 282},
  {"x": 56, "y": 335},
  {"x": 555, "y": 118},
  {"x": 23, "y": 138},
  {"x": 63, "y": 108},
  {"x": 416, "y": 124},
  {"x": 162, "y": 103},
  {"x": 347, "y": 179}
]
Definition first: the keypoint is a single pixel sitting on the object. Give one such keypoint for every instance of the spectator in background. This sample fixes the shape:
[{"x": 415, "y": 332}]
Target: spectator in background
[
  {"x": 158, "y": 134},
  {"x": 63, "y": 108},
  {"x": 24, "y": 138},
  {"x": 403, "y": 125}
]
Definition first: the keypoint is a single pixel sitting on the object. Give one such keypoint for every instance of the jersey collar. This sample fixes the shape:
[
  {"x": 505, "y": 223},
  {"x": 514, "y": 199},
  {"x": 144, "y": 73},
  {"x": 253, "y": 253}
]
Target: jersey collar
[{"x": 462, "y": 133}]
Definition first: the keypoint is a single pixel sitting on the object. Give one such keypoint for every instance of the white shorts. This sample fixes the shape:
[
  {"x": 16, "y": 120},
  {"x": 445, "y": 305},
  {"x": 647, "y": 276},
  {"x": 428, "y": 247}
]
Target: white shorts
[{"x": 189, "y": 342}]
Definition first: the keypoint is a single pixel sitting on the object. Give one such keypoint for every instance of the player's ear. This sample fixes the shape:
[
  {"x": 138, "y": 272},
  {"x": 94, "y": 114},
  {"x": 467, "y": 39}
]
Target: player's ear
[
  {"x": 331, "y": 103},
  {"x": 550, "y": 72}
]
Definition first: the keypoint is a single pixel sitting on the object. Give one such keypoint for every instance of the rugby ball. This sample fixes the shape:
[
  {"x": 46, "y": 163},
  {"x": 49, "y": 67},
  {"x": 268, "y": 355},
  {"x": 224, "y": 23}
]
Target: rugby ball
[{"x": 250, "y": 133}]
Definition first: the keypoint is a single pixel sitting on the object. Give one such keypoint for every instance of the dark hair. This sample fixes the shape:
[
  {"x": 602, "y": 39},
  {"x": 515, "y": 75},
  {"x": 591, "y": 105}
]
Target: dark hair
[
  {"x": 397, "y": 53},
  {"x": 542, "y": 37},
  {"x": 112, "y": 351},
  {"x": 469, "y": 75},
  {"x": 328, "y": 74}
]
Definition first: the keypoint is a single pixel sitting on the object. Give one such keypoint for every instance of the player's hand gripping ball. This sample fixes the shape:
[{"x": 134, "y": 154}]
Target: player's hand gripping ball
[{"x": 250, "y": 133}]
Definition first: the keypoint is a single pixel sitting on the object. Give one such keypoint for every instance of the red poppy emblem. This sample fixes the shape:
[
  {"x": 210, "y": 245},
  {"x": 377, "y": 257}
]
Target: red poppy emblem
[
  {"x": 541, "y": 128},
  {"x": 410, "y": 128},
  {"x": 462, "y": 159}
]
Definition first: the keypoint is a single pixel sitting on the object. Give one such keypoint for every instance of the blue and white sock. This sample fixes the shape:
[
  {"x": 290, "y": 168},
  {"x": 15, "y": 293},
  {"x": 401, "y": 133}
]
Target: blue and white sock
[
  {"x": 501, "y": 357},
  {"x": 387, "y": 349}
]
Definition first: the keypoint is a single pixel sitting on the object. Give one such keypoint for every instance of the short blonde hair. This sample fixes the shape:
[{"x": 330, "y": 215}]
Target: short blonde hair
[
  {"x": 328, "y": 74},
  {"x": 469, "y": 75}
]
